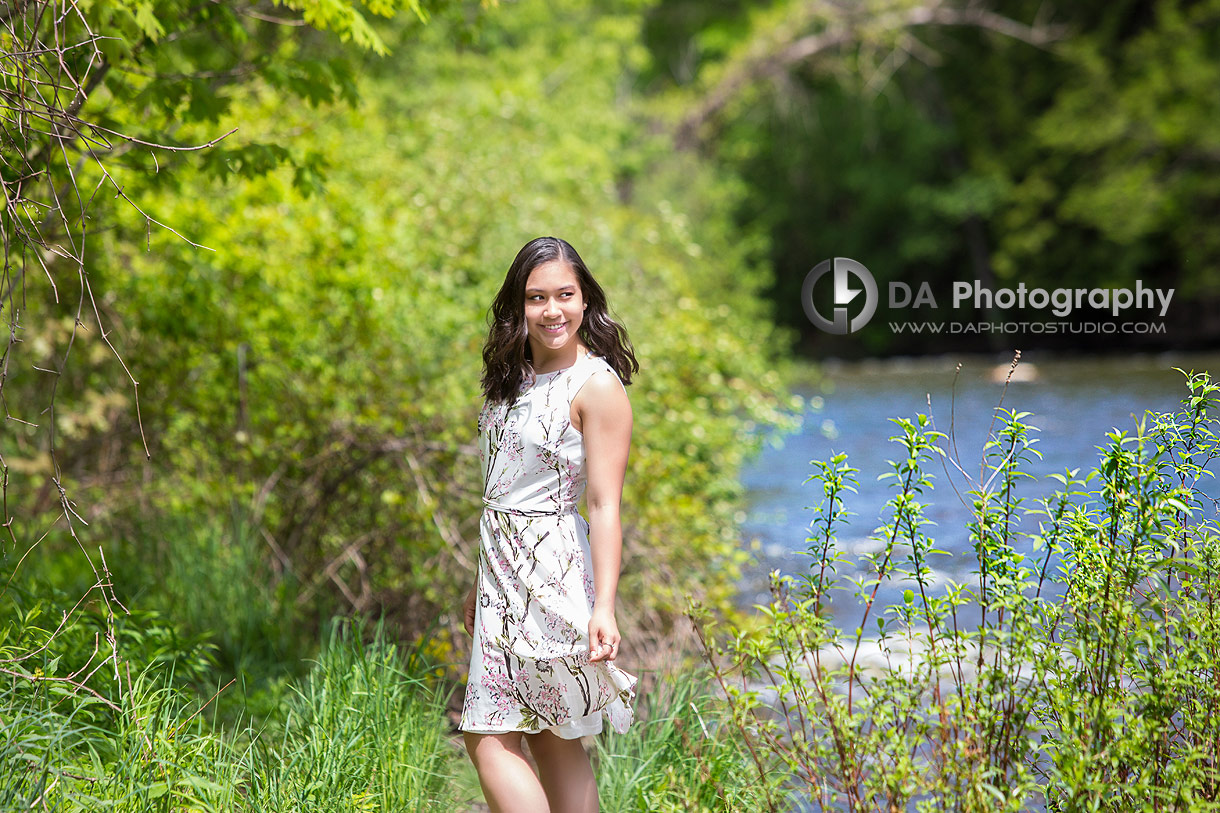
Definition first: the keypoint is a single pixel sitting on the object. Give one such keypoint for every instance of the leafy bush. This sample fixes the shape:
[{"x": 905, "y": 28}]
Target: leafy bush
[
  {"x": 211, "y": 575},
  {"x": 95, "y": 711},
  {"x": 1089, "y": 681},
  {"x": 320, "y": 366}
]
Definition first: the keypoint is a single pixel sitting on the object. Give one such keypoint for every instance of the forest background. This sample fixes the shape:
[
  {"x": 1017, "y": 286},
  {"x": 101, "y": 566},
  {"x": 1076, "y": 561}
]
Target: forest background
[{"x": 285, "y": 222}]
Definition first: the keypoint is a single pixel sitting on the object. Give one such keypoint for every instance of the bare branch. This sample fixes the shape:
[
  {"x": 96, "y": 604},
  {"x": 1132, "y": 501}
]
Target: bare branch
[
  {"x": 13, "y": 8},
  {"x": 52, "y": 66},
  {"x": 78, "y": 685}
]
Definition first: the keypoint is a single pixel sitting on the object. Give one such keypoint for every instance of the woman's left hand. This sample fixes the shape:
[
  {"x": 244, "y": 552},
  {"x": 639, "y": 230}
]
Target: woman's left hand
[{"x": 603, "y": 636}]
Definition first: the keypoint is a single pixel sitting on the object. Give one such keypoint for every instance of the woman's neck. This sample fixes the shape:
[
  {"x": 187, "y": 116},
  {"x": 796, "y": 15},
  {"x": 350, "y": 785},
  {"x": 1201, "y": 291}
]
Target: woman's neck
[{"x": 558, "y": 360}]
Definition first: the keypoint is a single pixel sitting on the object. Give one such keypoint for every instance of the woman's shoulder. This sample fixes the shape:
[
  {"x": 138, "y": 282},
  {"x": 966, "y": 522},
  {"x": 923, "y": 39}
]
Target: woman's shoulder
[
  {"x": 591, "y": 373},
  {"x": 599, "y": 363}
]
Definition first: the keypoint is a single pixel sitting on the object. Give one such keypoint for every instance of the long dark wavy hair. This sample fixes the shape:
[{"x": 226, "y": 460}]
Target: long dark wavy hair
[{"x": 507, "y": 361}]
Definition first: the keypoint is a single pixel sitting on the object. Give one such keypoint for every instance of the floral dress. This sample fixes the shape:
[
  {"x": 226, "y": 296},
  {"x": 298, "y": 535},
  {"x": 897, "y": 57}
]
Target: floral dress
[{"x": 529, "y": 665}]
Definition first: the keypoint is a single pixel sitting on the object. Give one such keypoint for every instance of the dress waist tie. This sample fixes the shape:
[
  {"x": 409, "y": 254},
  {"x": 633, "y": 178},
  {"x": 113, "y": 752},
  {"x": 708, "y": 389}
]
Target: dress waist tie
[{"x": 528, "y": 512}]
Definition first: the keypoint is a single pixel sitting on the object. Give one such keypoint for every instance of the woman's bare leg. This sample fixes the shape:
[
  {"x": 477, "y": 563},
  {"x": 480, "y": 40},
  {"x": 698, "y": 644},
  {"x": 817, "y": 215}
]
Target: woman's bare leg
[
  {"x": 565, "y": 771},
  {"x": 509, "y": 783}
]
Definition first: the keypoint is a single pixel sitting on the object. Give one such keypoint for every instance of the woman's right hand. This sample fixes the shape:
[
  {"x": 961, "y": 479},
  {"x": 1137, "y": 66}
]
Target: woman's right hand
[{"x": 468, "y": 607}]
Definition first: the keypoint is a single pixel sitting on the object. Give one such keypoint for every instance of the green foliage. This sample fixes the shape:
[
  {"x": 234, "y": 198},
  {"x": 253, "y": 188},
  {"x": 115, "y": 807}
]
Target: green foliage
[
  {"x": 1124, "y": 157},
  {"x": 90, "y": 721},
  {"x": 321, "y": 365},
  {"x": 938, "y": 153},
  {"x": 153, "y": 757},
  {"x": 51, "y": 632},
  {"x": 133, "y": 90},
  {"x": 213, "y": 579},
  {"x": 364, "y": 731},
  {"x": 1088, "y": 680}
]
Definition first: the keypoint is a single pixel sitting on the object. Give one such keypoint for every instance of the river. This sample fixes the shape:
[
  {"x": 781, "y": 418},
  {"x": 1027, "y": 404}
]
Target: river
[{"x": 1074, "y": 403}]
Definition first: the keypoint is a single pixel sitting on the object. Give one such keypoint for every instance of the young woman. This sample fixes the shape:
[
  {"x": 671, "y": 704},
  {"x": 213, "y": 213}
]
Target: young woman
[{"x": 556, "y": 418}]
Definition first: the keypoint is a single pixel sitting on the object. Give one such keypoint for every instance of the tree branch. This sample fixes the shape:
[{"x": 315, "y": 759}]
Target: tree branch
[
  {"x": 13, "y": 8},
  {"x": 846, "y": 29}
]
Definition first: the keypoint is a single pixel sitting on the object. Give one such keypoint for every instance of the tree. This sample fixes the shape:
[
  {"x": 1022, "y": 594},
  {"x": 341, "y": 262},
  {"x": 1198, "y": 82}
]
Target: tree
[
  {"x": 95, "y": 100},
  {"x": 1068, "y": 144}
]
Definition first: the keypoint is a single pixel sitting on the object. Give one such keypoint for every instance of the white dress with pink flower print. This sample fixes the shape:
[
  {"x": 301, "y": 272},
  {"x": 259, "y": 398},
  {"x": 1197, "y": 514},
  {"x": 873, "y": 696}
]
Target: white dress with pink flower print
[{"x": 529, "y": 666}]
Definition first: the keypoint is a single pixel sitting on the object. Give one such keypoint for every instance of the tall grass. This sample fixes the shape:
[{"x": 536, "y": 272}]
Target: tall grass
[
  {"x": 212, "y": 576},
  {"x": 679, "y": 756},
  {"x": 61, "y": 749},
  {"x": 364, "y": 731},
  {"x": 211, "y": 697}
]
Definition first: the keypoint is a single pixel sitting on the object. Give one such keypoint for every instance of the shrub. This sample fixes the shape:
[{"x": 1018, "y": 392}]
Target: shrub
[{"x": 1088, "y": 680}]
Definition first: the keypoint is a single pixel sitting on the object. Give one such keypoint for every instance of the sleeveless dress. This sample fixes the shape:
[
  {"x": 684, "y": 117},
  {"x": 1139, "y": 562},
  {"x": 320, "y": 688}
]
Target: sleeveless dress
[{"x": 529, "y": 663}]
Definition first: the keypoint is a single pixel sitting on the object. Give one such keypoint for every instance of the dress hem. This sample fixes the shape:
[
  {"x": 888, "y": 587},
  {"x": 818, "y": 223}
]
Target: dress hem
[{"x": 562, "y": 730}]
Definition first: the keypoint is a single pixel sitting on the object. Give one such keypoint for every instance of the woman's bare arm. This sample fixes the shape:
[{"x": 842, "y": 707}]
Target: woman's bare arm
[{"x": 605, "y": 418}]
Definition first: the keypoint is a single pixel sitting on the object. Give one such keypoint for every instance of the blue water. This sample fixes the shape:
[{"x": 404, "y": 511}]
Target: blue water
[{"x": 1074, "y": 404}]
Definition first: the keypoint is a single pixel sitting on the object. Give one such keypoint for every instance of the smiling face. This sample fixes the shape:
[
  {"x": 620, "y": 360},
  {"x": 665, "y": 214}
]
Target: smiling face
[{"x": 554, "y": 309}]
